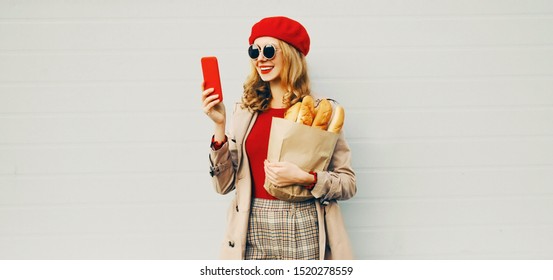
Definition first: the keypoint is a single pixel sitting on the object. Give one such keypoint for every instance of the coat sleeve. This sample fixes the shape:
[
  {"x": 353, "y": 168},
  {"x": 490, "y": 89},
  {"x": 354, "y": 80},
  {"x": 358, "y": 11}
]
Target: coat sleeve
[
  {"x": 223, "y": 164},
  {"x": 338, "y": 182}
]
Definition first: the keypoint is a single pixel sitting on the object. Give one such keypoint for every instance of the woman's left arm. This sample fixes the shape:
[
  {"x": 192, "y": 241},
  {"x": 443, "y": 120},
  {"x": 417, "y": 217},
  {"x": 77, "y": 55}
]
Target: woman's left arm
[{"x": 339, "y": 181}]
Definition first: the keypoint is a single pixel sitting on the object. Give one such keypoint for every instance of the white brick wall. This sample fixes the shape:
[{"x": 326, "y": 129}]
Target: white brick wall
[{"x": 103, "y": 147}]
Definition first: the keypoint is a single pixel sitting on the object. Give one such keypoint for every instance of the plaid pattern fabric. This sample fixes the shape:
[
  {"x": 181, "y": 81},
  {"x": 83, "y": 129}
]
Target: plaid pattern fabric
[{"x": 281, "y": 230}]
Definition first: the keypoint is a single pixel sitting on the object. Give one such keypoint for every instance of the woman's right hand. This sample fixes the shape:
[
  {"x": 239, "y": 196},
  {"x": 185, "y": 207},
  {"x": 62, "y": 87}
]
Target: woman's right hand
[{"x": 212, "y": 107}]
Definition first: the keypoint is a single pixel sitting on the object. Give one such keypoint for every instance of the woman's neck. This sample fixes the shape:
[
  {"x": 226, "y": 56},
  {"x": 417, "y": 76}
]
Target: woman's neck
[{"x": 278, "y": 95}]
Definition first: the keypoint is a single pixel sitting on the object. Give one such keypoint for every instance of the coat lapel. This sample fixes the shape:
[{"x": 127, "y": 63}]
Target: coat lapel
[
  {"x": 243, "y": 123},
  {"x": 243, "y": 119}
]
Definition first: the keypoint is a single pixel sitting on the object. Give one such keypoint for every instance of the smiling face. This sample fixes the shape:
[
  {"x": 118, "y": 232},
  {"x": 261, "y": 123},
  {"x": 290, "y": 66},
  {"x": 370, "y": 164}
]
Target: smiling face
[{"x": 268, "y": 70}]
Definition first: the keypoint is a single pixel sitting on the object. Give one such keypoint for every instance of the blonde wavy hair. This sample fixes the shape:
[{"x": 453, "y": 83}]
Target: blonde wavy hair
[{"x": 293, "y": 77}]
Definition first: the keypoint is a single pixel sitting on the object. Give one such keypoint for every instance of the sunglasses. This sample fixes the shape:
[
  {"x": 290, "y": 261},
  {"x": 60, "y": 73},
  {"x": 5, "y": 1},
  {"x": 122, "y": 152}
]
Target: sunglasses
[{"x": 269, "y": 51}]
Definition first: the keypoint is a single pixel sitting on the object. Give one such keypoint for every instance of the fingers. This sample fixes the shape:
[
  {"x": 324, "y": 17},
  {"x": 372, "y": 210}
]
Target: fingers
[
  {"x": 270, "y": 175},
  {"x": 267, "y": 168},
  {"x": 209, "y": 103},
  {"x": 270, "y": 169},
  {"x": 274, "y": 172},
  {"x": 207, "y": 99},
  {"x": 210, "y": 99},
  {"x": 271, "y": 164},
  {"x": 207, "y": 92}
]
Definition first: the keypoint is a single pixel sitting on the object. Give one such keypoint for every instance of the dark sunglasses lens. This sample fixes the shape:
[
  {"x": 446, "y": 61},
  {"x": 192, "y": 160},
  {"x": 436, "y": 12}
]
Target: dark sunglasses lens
[
  {"x": 269, "y": 51},
  {"x": 253, "y": 52}
]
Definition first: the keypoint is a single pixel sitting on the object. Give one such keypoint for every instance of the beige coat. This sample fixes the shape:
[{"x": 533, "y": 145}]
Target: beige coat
[{"x": 230, "y": 171}]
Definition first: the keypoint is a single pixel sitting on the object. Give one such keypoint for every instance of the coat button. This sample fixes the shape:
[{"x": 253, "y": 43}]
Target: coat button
[
  {"x": 237, "y": 208},
  {"x": 231, "y": 244}
]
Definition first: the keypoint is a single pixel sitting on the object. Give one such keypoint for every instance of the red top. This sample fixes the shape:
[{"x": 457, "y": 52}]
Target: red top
[{"x": 257, "y": 145}]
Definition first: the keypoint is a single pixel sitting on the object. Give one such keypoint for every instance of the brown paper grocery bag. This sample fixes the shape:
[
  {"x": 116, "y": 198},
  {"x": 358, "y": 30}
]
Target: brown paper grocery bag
[{"x": 308, "y": 147}]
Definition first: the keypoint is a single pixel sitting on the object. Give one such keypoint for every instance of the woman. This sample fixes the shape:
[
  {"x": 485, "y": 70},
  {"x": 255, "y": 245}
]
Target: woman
[{"x": 259, "y": 225}]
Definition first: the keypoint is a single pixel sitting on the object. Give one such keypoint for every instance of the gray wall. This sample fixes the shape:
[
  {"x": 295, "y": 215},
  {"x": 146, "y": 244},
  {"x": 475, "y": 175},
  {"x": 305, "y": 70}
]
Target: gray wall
[{"x": 103, "y": 146}]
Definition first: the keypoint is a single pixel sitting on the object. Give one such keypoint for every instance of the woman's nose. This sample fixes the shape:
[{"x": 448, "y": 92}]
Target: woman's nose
[{"x": 261, "y": 57}]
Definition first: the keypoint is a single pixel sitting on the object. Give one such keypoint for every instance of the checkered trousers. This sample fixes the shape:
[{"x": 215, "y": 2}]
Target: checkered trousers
[{"x": 281, "y": 230}]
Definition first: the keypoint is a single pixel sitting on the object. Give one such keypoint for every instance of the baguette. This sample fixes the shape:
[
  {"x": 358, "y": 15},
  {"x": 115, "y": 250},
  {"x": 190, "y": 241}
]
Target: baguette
[
  {"x": 337, "y": 120},
  {"x": 307, "y": 111},
  {"x": 322, "y": 115},
  {"x": 292, "y": 112}
]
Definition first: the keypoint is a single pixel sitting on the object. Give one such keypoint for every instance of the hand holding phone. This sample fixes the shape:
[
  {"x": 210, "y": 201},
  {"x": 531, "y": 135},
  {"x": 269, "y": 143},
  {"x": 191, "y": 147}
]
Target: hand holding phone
[{"x": 212, "y": 79}]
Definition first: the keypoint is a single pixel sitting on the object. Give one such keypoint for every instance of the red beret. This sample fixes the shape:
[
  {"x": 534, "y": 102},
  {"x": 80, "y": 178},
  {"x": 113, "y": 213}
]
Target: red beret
[{"x": 283, "y": 28}]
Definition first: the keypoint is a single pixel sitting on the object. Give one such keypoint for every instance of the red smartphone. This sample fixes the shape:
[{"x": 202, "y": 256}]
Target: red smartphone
[{"x": 210, "y": 69}]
